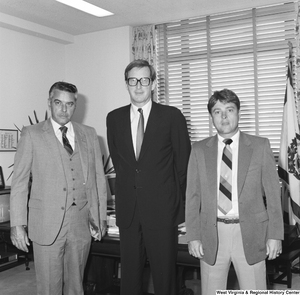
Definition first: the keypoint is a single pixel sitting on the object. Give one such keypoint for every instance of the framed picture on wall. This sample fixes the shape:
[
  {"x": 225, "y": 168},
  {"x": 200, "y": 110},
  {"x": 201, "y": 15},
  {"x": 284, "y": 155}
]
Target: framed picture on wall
[
  {"x": 8, "y": 140},
  {"x": 2, "y": 183}
]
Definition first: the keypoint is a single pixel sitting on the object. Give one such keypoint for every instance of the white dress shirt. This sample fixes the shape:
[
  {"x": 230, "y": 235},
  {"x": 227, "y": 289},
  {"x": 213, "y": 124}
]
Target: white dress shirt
[
  {"x": 70, "y": 133},
  {"x": 134, "y": 119}
]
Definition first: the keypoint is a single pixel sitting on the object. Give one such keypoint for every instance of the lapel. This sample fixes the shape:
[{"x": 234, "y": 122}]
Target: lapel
[
  {"x": 211, "y": 159},
  {"x": 82, "y": 145},
  {"x": 52, "y": 144},
  {"x": 245, "y": 155},
  {"x": 125, "y": 132},
  {"x": 154, "y": 121},
  {"x": 153, "y": 124},
  {"x": 211, "y": 164}
]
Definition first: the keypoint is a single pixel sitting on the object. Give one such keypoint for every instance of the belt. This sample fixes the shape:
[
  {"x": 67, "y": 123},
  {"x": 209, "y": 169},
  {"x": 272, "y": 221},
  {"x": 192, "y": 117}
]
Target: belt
[{"x": 228, "y": 220}]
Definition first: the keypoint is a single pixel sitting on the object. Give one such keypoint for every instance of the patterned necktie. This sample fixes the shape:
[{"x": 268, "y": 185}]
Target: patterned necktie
[
  {"x": 66, "y": 142},
  {"x": 139, "y": 134},
  {"x": 225, "y": 190}
]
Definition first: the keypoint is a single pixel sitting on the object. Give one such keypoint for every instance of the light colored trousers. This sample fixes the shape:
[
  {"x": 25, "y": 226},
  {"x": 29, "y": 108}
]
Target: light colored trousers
[
  {"x": 60, "y": 267},
  {"x": 214, "y": 277}
]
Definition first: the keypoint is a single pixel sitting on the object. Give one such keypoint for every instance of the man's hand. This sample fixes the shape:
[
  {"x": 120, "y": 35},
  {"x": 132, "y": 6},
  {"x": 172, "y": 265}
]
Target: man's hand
[
  {"x": 103, "y": 227},
  {"x": 196, "y": 249},
  {"x": 19, "y": 237},
  {"x": 274, "y": 249}
]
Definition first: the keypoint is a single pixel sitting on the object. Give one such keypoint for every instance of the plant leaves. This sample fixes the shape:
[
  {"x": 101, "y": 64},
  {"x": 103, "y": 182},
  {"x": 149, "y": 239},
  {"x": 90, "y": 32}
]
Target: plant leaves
[
  {"x": 36, "y": 119},
  {"x": 10, "y": 174},
  {"x": 17, "y": 127},
  {"x": 30, "y": 121}
]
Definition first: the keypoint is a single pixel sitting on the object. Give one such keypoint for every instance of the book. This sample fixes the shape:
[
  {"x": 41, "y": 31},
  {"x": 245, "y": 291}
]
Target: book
[
  {"x": 7, "y": 257},
  {"x": 7, "y": 263}
]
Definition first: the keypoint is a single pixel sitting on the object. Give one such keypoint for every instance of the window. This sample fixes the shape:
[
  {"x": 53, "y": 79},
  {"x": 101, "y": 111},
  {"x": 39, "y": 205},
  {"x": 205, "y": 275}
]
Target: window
[{"x": 245, "y": 51}]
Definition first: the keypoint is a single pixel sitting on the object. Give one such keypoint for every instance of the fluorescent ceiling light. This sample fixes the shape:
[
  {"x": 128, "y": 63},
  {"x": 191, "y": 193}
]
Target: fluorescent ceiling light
[{"x": 86, "y": 7}]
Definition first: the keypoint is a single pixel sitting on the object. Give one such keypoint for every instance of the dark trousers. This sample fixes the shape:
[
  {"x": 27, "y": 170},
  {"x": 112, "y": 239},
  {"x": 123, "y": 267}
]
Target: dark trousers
[{"x": 160, "y": 247}]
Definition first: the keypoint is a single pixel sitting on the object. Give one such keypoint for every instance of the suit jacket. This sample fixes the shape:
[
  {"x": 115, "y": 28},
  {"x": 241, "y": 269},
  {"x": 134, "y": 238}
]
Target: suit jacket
[
  {"x": 38, "y": 153},
  {"x": 156, "y": 182},
  {"x": 257, "y": 177}
]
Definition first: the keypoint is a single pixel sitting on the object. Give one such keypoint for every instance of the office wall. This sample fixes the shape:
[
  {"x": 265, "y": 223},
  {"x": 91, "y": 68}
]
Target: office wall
[
  {"x": 96, "y": 63},
  {"x": 28, "y": 66}
]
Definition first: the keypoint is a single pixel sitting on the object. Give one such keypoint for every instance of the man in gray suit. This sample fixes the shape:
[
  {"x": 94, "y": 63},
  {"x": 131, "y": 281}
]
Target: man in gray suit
[
  {"x": 67, "y": 200},
  {"x": 233, "y": 207}
]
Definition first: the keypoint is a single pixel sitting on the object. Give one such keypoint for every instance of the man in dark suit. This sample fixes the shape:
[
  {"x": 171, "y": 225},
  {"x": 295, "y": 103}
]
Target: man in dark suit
[
  {"x": 150, "y": 182},
  {"x": 67, "y": 198},
  {"x": 232, "y": 215}
]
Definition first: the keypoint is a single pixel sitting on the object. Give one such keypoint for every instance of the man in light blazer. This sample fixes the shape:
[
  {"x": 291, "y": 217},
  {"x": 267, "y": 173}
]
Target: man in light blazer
[
  {"x": 67, "y": 201},
  {"x": 150, "y": 187},
  {"x": 251, "y": 228}
]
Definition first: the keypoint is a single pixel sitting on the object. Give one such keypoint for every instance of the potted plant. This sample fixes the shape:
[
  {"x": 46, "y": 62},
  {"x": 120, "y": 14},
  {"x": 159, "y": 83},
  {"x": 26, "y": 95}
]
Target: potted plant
[{"x": 110, "y": 174}]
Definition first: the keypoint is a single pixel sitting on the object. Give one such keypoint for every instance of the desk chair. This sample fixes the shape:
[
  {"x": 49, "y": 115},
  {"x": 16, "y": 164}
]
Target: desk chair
[{"x": 281, "y": 267}]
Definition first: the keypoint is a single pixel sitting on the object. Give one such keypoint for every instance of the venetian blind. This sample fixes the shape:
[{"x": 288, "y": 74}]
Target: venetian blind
[{"x": 245, "y": 51}]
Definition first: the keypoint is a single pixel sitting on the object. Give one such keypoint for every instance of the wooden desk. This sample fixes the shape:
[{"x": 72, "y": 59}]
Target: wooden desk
[
  {"x": 8, "y": 247},
  {"x": 109, "y": 246},
  {"x": 102, "y": 268}
]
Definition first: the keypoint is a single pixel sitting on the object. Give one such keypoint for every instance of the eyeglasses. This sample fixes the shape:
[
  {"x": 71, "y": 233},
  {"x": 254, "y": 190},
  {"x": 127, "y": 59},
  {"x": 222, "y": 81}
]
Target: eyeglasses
[{"x": 143, "y": 81}]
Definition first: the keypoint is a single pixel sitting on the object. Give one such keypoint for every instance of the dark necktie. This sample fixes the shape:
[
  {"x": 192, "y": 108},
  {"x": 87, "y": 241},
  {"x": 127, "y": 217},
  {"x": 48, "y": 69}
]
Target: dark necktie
[
  {"x": 225, "y": 189},
  {"x": 139, "y": 134},
  {"x": 66, "y": 142}
]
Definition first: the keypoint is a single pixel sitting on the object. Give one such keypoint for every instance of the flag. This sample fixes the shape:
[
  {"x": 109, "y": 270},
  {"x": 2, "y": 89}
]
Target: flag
[{"x": 289, "y": 160}]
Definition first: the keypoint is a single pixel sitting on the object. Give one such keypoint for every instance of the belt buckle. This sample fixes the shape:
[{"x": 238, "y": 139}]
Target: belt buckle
[{"x": 229, "y": 220}]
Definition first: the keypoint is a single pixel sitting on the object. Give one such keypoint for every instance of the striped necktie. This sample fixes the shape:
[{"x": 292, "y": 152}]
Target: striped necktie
[
  {"x": 66, "y": 142},
  {"x": 225, "y": 188},
  {"x": 139, "y": 134}
]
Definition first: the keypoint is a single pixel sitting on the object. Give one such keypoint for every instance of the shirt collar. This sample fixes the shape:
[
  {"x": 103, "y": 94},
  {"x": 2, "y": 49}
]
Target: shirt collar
[
  {"x": 56, "y": 126},
  {"x": 235, "y": 138},
  {"x": 146, "y": 108}
]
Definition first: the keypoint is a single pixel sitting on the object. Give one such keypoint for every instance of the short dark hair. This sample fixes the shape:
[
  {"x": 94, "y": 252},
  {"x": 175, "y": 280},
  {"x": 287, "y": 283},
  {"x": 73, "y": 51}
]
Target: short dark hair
[
  {"x": 63, "y": 86},
  {"x": 140, "y": 63},
  {"x": 224, "y": 96}
]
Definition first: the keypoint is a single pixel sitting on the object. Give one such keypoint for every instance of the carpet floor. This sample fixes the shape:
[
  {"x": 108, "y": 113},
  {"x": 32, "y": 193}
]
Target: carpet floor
[{"x": 19, "y": 281}]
